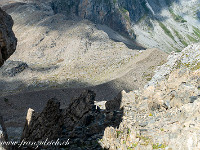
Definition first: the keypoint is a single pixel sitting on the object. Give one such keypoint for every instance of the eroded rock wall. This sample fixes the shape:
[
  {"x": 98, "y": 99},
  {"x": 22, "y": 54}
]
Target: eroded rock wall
[{"x": 116, "y": 14}]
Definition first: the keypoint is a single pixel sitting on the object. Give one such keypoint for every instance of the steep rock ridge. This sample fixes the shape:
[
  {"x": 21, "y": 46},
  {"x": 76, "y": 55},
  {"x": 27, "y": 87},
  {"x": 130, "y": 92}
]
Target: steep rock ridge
[
  {"x": 8, "y": 41},
  {"x": 82, "y": 122},
  {"x": 189, "y": 57}
]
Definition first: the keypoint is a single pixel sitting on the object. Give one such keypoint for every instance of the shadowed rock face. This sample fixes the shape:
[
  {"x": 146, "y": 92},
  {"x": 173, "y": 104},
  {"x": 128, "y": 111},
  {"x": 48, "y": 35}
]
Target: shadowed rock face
[
  {"x": 8, "y": 40},
  {"x": 115, "y": 14},
  {"x": 82, "y": 122},
  {"x": 8, "y": 44}
]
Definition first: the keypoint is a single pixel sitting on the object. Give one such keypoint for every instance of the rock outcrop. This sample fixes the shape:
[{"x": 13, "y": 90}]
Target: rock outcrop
[
  {"x": 82, "y": 122},
  {"x": 48, "y": 124},
  {"x": 8, "y": 41},
  {"x": 165, "y": 114}
]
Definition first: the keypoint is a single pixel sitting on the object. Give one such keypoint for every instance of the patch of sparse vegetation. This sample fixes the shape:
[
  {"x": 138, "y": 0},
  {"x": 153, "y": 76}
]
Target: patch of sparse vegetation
[
  {"x": 180, "y": 37},
  {"x": 194, "y": 66},
  {"x": 118, "y": 133},
  {"x": 196, "y": 31},
  {"x": 135, "y": 144},
  {"x": 159, "y": 146},
  {"x": 179, "y": 64},
  {"x": 166, "y": 30},
  {"x": 123, "y": 10},
  {"x": 128, "y": 131},
  {"x": 144, "y": 140},
  {"x": 161, "y": 63},
  {"x": 125, "y": 13},
  {"x": 176, "y": 17},
  {"x": 162, "y": 129},
  {"x": 192, "y": 39},
  {"x": 148, "y": 77},
  {"x": 114, "y": 1}
]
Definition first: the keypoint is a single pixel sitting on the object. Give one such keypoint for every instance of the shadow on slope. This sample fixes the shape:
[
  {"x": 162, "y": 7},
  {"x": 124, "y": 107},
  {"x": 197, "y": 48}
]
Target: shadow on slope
[
  {"x": 82, "y": 122},
  {"x": 14, "y": 106},
  {"x": 29, "y": 96}
]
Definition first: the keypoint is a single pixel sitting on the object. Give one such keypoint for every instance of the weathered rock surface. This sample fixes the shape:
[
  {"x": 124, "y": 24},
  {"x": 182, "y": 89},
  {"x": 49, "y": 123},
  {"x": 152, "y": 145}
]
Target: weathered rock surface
[
  {"x": 111, "y": 13},
  {"x": 48, "y": 124},
  {"x": 8, "y": 41},
  {"x": 81, "y": 122},
  {"x": 165, "y": 114},
  {"x": 159, "y": 116}
]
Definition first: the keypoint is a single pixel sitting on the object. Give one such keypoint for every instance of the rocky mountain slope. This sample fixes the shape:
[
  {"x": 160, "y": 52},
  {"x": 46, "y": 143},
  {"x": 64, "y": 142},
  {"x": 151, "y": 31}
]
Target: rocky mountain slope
[
  {"x": 164, "y": 115},
  {"x": 69, "y": 52},
  {"x": 60, "y": 50},
  {"x": 59, "y": 56},
  {"x": 90, "y": 53},
  {"x": 167, "y": 24}
]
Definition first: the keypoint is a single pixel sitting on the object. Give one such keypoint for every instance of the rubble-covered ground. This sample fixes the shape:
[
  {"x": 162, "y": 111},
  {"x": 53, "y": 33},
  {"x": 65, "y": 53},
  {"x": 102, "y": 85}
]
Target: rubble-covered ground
[{"x": 165, "y": 114}]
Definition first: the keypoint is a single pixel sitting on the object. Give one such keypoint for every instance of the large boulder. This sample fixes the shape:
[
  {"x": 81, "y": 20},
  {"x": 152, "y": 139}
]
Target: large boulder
[{"x": 8, "y": 40}]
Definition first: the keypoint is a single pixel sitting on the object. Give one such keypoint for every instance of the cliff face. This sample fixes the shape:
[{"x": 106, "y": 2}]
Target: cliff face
[
  {"x": 8, "y": 41},
  {"x": 167, "y": 24},
  {"x": 116, "y": 14}
]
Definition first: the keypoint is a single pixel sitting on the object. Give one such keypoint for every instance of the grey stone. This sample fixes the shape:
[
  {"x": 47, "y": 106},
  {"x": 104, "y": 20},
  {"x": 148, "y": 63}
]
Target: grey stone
[
  {"x": 193, "y": 98},
  {"x": 12, "y": 68}
]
